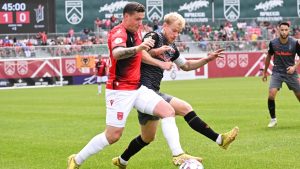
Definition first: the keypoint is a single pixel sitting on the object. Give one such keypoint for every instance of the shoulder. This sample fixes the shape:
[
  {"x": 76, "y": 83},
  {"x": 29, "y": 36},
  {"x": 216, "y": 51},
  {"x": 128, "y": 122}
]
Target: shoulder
[{"x": 118, "y": 30}]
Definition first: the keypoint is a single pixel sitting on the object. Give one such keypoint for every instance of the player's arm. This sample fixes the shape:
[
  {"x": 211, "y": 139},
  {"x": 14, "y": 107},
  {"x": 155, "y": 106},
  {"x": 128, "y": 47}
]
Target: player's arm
[
  {"x": 267, "y": 62},
  {"x": 123, "y": 52},
  {"x": 292, "y": 69},
  {"x": 146, "y": 58},
  {"x": 156, "y": 52},
  {"x": 195, "y": 64}
]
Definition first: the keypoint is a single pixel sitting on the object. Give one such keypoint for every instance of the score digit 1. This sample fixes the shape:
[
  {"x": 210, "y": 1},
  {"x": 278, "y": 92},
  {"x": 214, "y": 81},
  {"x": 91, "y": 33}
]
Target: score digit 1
[
  {"x": 6, "y": 17},
  {"x": 23, "y": 17}
]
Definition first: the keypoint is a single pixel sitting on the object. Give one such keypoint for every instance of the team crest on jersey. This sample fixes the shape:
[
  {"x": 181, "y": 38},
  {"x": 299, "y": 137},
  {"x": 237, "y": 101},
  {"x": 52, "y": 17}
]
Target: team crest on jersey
[
  {"x": 155, "y": 10},
  {"x": 232, "y": 10},
  {"x": 232, "y": 60},
  {"x": 22, "y": 67},
  {"x": 74, "y": 11},
  {"x": 70, "y": 66},
  {"x": 221, "y": 62},
  {"x": 120, "y": 115},
  {"x": 243, "y": 60},
  {"x": 9, "y": 68}
]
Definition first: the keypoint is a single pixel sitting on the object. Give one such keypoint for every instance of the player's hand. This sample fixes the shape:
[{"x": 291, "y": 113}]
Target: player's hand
[
  {"x": 146, "y": 45},
  {"x": 216, "y": 54},
  {"x": 264, "y": 77},
  {"x": 291, "y": 69},
  {"x": 164, "y": 49},
  {"x": 166, "y": 65}
]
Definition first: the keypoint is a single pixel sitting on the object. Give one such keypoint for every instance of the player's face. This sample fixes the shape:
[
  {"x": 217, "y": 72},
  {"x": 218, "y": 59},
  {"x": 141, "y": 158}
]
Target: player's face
[
  {"x": 284, "y": 31},
  {"x": 172, "y": 31},
  {"x": 134, "y": 21}
]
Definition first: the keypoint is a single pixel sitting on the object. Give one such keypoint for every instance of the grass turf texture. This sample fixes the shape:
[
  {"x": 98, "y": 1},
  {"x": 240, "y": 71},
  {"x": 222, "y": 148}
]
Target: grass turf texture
[{"x": 40, "y": 128}]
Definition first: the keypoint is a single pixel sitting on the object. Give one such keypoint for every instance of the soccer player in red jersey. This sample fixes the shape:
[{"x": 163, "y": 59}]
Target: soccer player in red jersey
[
  {"x": 123, "y": 89},
  {"x": 101, "y": 73}
]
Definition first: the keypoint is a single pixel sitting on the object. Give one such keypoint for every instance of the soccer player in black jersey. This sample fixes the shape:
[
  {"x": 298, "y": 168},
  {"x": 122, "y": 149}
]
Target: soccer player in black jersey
[
  {"x": 151, "y": 76},
  {"x": 284, "y": 49}
]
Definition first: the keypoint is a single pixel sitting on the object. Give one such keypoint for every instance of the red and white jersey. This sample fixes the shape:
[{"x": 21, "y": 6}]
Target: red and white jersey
[
  {"x": 124, "y": 74},
  {"x": 100, "y": 67}
]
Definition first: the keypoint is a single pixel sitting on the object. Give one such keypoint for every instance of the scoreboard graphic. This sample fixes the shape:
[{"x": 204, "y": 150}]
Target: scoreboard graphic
[{"x": 23, "y": 16}]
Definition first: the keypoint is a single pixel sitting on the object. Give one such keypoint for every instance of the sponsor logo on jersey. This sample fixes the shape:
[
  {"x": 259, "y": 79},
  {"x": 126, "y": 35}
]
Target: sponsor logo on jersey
[
  {"x": 22, "y": 67},
  {"x": 232, "y": 10},
  {"x": 155, "y": 10},
  {"x": 120, "y": 115},
  {"x": 74, "y": 11},
  {"x": 118, "y": 40}
]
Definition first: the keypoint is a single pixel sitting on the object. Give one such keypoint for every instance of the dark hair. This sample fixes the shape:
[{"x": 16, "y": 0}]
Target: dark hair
[
  {"x": 132, "y": 7},
  {"x": 284, "y": 23}
]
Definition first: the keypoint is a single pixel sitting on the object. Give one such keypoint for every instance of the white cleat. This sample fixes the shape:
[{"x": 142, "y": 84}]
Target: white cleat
[{"x": 272, "y": 123}]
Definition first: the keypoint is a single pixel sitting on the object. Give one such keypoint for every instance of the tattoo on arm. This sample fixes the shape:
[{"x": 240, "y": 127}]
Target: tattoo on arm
[{"x": 123, "y": 53}]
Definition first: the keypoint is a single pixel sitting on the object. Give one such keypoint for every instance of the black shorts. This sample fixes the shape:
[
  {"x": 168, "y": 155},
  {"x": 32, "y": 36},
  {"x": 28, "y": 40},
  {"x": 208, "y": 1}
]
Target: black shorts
[
  {"x": 144, "y": 118},
  {"x": 291, "y": 81}
]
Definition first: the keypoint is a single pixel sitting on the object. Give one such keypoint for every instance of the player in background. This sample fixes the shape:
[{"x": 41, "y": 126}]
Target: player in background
[
  {"x": 101, "y": 71},
  {"x": 123, "y": 89},
  {"x": 166, "y": 50},
  {"x": 284, "y": 50}
]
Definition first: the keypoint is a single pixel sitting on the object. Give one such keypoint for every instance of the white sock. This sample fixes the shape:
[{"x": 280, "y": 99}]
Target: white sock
[
  {"x": 99, "y": 88},
  {"x": 219, "y": 139},
  {"x": 94, "y": 146},
  {"x": 273, "y": 119},
  {"x": 123, "y": 161},
  {"x": 171, "y": 134}
]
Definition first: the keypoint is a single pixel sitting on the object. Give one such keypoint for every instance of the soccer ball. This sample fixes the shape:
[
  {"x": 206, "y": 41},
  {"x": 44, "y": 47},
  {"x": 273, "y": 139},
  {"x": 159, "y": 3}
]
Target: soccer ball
[{"x": 191, "y": 164}]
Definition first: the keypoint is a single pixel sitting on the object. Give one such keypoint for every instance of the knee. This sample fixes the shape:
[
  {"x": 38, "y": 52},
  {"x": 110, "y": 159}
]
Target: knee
[
  {"x": 114, "y": 136},
  {"x": 184, "y": 110},
  {"x": 271, "y": 95}
]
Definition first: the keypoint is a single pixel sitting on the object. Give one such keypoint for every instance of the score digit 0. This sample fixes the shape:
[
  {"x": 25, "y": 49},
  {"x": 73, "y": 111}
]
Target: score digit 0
[{"x": 23, "y": 17}]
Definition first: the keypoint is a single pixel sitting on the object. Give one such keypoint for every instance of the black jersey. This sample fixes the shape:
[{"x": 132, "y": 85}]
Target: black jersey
[
  {"x": 151, "y": 76},
  {"x": 284, "y": 54}
]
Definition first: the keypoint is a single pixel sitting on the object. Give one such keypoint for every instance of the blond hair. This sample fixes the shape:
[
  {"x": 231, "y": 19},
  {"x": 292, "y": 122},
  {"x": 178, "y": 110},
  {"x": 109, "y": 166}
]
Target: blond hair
[{"x": 174, "y": 17}]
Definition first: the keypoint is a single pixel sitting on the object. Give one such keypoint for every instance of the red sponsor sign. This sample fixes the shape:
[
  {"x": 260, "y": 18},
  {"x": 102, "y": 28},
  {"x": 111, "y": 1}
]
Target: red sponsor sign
[{"x": 236, "y": 65}]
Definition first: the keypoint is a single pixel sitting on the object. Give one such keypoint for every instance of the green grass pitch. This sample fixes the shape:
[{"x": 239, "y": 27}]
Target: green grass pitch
[{"x": 40, "y": 128}]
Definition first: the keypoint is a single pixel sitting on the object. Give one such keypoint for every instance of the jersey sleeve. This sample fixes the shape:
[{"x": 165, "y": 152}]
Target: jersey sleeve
[
  {"x": 118, "y": 38},
  {"x": 180, "y": 61},
  {"x": 154, "y": 36},
  {"x": 271, "y": 50}
]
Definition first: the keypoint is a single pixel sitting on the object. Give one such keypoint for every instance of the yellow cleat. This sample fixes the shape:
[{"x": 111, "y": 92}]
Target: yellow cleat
[
  {"x": 71, "y": 162},
  {"x": 178, "y": 160},
  {"x": 116, "y": 162},
  {"x": 229, "y": 137}
]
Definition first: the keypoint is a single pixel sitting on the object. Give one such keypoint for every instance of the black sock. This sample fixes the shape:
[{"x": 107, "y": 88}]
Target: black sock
[
  {"x": 134, "y": 146},
  {"x": 271, "y": 106},
  {"x": 200, "y": 126}
]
